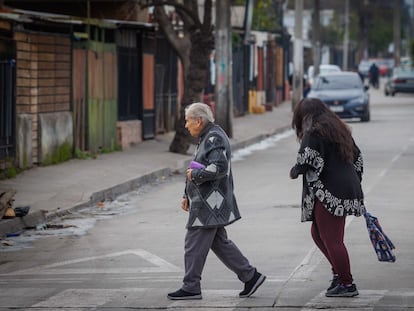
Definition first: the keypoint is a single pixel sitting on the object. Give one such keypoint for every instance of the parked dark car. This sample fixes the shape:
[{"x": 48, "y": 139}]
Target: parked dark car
[
  {"x": 384, "y": 65},
  {"x": 344, "y": 93},
  {"x": 401, "y": 81}
]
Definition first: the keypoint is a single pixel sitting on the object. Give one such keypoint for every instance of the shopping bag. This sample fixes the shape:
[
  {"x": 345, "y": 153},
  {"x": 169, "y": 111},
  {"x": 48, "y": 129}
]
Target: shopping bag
[{"x": 382, "y": 244}]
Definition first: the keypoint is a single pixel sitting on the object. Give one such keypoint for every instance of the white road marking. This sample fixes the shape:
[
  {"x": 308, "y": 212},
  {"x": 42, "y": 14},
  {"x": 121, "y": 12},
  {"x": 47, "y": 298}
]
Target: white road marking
[
  {"x": 366, "y": 300},
  {"x": 76, "y": 298},
  {"x": 160, "y": 264},
  {"x": 87, "y": 297},
  {"x": 224, "y": 298}
]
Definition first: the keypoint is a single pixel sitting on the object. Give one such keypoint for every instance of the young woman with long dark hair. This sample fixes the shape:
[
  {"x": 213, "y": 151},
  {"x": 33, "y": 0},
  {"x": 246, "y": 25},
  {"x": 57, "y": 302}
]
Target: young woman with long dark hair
[{"x": 331, "y": 165}]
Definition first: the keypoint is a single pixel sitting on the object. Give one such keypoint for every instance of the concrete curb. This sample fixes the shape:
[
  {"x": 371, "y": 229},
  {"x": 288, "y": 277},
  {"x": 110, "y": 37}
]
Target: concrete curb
[{"x": 16, "y": 225}]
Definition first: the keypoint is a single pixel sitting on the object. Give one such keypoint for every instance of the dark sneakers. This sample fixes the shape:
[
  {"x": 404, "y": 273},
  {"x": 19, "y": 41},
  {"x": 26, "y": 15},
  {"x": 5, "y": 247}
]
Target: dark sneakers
[
  {"x": 251, "y": 286},
  {"x": 183, "y": 295},
  {"x": 334, "y": 282},
  {"x": 342, "y": 291}
]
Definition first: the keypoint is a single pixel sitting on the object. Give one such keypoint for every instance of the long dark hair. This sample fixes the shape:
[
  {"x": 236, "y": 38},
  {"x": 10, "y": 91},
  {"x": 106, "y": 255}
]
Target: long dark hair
[{"x": 314, "y": 116}]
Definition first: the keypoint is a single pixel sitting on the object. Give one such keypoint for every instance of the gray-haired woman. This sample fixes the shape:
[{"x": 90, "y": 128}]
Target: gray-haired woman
[{"x": 211, "y": 203}]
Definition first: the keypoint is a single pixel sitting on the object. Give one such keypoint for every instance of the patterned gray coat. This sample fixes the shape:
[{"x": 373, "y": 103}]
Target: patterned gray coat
[
  {"x": 336, "y": 183},
  {"x": 210, "y": 192}
]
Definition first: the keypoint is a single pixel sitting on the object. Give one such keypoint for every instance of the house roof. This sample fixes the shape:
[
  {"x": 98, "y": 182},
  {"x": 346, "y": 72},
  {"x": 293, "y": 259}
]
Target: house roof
[{"x": 26, "y": 16}]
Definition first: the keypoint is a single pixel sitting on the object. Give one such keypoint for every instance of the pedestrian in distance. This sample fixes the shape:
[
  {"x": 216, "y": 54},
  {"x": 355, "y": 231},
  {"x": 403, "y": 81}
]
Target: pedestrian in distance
[
  {"x": 211, "y": 203},
  {"x": 374, "y": 75},
  {"x": 331, "y": 165}
]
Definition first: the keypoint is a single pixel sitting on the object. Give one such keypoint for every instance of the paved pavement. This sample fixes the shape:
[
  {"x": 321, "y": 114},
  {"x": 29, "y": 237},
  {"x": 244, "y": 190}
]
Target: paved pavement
[{"x": 54, "y": 190}]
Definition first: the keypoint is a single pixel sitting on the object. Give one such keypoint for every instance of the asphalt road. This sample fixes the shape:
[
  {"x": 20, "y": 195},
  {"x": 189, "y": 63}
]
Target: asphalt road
[{"x": 129, "y": 254}]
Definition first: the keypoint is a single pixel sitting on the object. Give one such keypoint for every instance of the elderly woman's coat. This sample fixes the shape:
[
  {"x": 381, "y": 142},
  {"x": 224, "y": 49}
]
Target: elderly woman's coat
[{"x": 210, "y": 192}]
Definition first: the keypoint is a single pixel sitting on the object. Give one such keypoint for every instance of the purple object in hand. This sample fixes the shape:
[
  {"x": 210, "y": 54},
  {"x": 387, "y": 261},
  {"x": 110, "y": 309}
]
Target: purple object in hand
[{"x": 195, "y": 164}]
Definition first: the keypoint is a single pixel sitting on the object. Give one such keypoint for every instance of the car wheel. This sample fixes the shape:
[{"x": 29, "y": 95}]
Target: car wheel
[
  {"x": 366, "y": 118},
  {"x": 392, "y": 93}
]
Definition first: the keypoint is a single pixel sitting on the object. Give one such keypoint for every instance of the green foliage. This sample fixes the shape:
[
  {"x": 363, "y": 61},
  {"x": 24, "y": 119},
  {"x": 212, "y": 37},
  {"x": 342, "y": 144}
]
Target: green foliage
[
  {"x": 237, "y": 40},
  {"x": 63, "y": 153},
  {"x": 11, "y": 172},
  {"x": 105, "y": 150},
  {"x": 380, "y": 32},
  {"x": 8, "y": 170},
  {"x": 333, "y": 33},
  {"x": 81, "y": 154},
  {"x": 265, "y": 16}
]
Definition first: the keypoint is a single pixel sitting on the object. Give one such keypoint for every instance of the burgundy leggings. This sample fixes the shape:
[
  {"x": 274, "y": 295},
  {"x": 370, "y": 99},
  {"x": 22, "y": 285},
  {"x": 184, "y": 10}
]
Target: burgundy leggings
[{"x": 328, "y": 234}]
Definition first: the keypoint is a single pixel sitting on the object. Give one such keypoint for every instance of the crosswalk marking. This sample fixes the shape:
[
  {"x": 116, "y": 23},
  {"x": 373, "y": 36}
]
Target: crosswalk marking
[
  {"x": 366, "y": 300},
  {"x": 87, "y": 297},
  {"x": 159, "y": 265},
  {"x": 75, "y": 299}
]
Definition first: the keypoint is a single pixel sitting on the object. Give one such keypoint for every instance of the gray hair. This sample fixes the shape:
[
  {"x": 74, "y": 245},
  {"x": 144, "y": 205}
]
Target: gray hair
[{"x": 199, "y": 110}]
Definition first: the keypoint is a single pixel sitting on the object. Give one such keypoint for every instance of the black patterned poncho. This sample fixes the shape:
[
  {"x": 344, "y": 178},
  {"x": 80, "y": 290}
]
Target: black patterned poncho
[{"x": 336, "y": 183}]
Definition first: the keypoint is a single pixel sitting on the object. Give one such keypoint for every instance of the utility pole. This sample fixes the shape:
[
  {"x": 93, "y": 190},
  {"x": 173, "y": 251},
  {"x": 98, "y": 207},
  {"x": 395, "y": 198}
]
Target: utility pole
[
  {"x": 224, "y": 90},
  {"x": 297, "y": 79},
  {"x": 397, "y": 32},
  {"x": 346, "y": 37},
  {"x": 247, "y": 26},
  {"x": 316, "y": 37}
]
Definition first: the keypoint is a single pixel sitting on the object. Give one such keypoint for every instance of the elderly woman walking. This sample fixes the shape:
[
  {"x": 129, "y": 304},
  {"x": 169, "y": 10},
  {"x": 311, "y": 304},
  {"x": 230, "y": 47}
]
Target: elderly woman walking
[
  {"x": 211, "y": 204},
  {"x": 331, "y": 165}
]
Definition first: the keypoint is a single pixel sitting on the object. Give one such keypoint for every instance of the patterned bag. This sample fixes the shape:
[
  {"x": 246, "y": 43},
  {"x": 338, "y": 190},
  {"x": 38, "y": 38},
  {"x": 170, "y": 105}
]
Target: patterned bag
[{"x": 382, "y": 244}]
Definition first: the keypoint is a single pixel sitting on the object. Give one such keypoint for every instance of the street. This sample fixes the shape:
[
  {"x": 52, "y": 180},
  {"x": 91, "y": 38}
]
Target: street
[{"x": 129, "y": 254}]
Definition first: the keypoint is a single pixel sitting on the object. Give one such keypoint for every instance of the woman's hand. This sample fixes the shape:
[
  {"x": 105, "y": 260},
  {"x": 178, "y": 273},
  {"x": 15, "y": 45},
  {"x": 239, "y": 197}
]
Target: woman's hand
[
  {"x": 294, "y": 172},
  {"x": 184, "y": 204},
  {"x": 188, "y": 173}
]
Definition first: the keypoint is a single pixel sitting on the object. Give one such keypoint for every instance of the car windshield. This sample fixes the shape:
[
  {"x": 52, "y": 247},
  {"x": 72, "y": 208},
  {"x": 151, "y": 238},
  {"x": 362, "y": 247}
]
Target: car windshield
[
  {"x": 337, "y": 82},
  {"x": 323, "y": 69}
]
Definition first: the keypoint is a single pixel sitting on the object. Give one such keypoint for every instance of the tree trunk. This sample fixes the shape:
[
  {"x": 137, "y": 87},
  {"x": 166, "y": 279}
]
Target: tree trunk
[
  {"x": 363, "y": 20},
  {"x": 397, "y": 32},
  {"x": 298, "y": 55},
  {"x": 194, "y": 83},
  {"x": 193, "y": 49},
  {"x": 346, "y": 37}
]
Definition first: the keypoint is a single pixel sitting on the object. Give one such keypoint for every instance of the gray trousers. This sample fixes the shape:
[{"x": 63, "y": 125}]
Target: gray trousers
[{"x": 198, "y": 242}]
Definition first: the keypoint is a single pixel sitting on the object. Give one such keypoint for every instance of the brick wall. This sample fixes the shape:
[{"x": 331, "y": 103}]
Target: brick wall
[
  {"x": 43, "y": 77},
  {"x": 129, "y": 133}
]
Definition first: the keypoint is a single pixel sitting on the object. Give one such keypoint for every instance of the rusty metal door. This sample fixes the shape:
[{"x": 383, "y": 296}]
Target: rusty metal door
[{"x": 95, "y": 96}]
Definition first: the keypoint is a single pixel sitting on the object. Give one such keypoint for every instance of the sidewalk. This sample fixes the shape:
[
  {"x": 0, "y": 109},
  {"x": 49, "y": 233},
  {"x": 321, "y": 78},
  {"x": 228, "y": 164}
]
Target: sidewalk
[{"x": 53, "y": 190}]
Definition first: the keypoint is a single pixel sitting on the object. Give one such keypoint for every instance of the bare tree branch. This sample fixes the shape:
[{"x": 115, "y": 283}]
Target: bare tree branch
[
  {"x": 178, "y": 7},
  {"x": 180, "y": 45}
]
